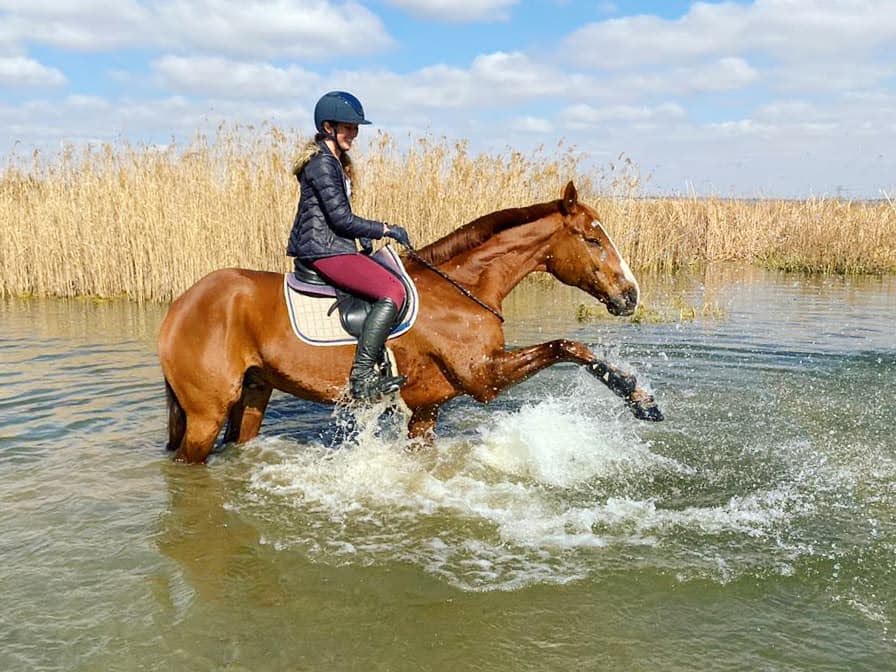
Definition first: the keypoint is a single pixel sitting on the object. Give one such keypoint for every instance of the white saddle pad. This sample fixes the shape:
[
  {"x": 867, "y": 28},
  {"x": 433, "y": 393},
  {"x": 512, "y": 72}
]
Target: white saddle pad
[{"x": 312, "y": 325}]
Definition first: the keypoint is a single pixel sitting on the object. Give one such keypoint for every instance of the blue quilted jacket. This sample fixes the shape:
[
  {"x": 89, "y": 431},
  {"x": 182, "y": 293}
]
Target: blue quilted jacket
[{"x": 324, "y": 225}]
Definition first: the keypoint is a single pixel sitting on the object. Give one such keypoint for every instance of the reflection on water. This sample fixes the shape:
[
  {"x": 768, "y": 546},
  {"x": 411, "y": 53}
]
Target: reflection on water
[
  {"x": 199, "y": 531},
  {"x": 753, "y": 529}
]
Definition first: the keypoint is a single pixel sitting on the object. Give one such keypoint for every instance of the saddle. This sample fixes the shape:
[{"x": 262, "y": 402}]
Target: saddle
[{"x": 321, "y": 314}]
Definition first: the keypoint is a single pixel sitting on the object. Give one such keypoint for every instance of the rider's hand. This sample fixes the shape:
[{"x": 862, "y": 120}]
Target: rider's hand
[
  {"x": 398, "y": 234},
  {"x": 366, "y": 246}
]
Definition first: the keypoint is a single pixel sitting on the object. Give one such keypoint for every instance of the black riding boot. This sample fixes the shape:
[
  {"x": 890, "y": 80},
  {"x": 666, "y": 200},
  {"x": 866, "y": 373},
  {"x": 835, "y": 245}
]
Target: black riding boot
[{"x": 366, "y": 381}]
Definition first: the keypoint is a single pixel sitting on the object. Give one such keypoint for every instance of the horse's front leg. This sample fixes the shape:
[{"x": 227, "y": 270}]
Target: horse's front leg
[
  {"x": 422, "y": 425},
  {"x": 423, "y": 421},
  {"x": 511, "y": 367}
]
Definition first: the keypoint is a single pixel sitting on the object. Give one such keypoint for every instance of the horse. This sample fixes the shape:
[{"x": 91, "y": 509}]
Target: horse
[{"x": 226, "y": 343}]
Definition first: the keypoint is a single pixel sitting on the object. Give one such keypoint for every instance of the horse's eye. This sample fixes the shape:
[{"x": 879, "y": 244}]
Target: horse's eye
[{"x": 594, "y": 241}]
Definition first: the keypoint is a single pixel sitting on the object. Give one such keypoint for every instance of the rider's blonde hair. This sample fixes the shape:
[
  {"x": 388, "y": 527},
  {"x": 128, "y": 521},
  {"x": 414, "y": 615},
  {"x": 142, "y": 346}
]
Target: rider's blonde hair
[{"x": 311, "y": 148}]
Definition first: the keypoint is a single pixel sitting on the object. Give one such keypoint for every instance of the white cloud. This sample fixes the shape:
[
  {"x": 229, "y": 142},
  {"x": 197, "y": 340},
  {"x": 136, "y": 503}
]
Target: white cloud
[
  {"x": 787, "y": 110},
  {"x": 791, "y": 30},
  {"x": 225, "y": 78},
  {"x": 789, "y": 148},
  {"x": 517, "y": 76},
  {"x": 726, "y": 74},
  {"x": 529, "y": 124},
  {"x": 457, "y": 10},
  {"x": 18, "y": 71},
  {"x": 582, "y": 116},
  {"x": 493, "y": 81},
  {"x": 742, "y": 127},
  {"x": 638, "y": 40},
  {"x": 848, "y": 115},
  {"x": 420, "y": 98},
  {"x": 310, "y": 28},
  {"x": 830, "y": 75},
  {"x": 48, "y": 123},
  {"x": 220, "y": 60},
  {"x": 84, "y": 25},
  {"x": 781, "y": 149},
  {"x": 87, "y": 103}
]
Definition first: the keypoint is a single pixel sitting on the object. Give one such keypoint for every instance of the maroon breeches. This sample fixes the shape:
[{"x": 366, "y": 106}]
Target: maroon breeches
[{"x": 359, "y": 274}]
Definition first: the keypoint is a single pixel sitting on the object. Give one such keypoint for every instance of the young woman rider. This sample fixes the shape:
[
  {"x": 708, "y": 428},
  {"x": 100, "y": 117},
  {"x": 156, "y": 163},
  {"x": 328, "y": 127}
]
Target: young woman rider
[{"x": 324, "y": 233}]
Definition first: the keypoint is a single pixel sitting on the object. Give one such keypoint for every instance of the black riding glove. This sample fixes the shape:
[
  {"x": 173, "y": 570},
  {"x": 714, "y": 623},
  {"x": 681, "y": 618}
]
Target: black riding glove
[
  {"x": 366, "y": 246},
  {"x": 398, "y": 234}
]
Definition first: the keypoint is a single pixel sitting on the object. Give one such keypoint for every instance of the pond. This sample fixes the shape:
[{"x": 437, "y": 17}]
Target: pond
[{"x": 754, "y": 529}]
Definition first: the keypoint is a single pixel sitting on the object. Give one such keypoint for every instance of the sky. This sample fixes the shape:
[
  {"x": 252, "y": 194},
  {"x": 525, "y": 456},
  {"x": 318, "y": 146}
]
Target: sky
[{"x": 776, "y": 98}]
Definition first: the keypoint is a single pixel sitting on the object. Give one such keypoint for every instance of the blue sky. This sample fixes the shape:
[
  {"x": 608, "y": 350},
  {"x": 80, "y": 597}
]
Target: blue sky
[{"x": 771, "y": 97}]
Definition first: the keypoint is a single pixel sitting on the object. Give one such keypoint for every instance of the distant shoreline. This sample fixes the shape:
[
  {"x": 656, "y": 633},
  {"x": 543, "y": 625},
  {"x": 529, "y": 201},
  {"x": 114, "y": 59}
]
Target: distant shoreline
[{"x": 123, "y": 220}]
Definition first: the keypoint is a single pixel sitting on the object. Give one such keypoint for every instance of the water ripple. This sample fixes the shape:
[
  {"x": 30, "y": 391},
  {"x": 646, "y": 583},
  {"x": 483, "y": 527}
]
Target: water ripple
[{"x": 765, "y": 502}]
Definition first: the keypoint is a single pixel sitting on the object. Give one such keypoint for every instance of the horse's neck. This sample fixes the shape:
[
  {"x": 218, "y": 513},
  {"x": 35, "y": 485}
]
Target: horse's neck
[{"x": 498, "y": 265}]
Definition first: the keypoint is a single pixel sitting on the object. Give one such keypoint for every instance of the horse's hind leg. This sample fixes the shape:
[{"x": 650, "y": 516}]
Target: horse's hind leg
[
  {"x": 247, "y": 414},
  {"x": 200, "y": 438},
  {"x": 205, "y": 417},
  {"x": 177, "y": 419}
]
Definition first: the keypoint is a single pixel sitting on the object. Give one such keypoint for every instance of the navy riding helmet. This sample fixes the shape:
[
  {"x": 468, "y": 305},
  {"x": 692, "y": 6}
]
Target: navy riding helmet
[{"x": 338, "y": 107}]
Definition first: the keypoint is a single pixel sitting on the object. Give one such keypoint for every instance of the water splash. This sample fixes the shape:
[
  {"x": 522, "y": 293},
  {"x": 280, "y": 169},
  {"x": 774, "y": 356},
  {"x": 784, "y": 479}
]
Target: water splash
[
  {"x": 497, "y": 510},
  {"x": 552, "y": 443},
  {"x": 557, "y": 489}
]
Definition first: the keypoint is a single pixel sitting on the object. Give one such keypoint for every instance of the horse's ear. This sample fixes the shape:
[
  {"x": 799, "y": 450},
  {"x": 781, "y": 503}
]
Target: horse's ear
[{"x": 570, "y": 199}]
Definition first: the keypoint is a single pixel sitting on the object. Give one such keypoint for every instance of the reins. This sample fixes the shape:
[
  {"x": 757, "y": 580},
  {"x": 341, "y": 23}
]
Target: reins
[{"x": 412, "y": 253}]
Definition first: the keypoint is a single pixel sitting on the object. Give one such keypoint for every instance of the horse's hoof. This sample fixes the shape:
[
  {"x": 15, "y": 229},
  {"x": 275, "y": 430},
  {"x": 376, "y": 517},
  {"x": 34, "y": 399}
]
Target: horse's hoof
[
  {"x": 416, "y": 446},
  {"x": 646, "y": 409}
]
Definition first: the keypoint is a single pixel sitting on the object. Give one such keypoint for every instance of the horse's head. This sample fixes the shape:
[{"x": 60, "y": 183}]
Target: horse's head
[{"x": 581, "y": 254}]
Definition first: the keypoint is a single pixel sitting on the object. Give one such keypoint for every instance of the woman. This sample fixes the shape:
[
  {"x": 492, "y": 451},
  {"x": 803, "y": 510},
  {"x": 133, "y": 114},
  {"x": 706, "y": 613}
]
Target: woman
[{"x": 324, "y": 233}]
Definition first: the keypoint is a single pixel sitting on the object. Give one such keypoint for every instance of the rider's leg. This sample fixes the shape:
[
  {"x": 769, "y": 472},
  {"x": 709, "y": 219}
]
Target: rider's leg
[
  {"x": 366, "y": 382},
  {"x": 361, "y": 275}
]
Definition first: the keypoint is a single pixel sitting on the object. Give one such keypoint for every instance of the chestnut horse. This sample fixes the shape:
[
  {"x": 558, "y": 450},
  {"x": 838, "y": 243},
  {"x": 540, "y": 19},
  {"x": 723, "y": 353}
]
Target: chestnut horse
[{"x": 227, "y": 342}]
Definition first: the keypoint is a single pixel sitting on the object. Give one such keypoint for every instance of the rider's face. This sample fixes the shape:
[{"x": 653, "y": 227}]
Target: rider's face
[{"x": 345, "y": 135}]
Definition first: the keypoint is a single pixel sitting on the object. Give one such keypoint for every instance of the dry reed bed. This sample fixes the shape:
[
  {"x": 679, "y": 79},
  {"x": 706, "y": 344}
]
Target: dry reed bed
[{"x": 146, "y": 223}]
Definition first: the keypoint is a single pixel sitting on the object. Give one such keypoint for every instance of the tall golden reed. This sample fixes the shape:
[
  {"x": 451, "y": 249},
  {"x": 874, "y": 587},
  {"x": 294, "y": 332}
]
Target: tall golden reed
[{"x": 147, "y": 222}]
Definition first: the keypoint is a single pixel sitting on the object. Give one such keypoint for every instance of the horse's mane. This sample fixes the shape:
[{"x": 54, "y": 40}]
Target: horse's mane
[{"x": 479, "y": 230}]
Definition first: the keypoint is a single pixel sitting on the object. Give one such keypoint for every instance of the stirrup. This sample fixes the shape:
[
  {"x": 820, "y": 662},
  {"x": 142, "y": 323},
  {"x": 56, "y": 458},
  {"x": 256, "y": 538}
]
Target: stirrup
[
  {"x": 373, "y": 386},
  {"x": 391, "y": 384}
]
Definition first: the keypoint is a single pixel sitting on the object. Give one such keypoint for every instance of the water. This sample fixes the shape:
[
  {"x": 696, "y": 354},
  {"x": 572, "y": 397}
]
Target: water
[{"x": 754, "y": 529}]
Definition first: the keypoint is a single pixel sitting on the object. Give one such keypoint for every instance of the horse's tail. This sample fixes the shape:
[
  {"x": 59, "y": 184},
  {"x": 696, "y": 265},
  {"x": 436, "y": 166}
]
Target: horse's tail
[{"x": 177, "y": 419}]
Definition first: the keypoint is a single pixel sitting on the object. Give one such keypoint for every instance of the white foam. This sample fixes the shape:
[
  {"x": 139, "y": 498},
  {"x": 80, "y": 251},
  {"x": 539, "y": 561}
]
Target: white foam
[
  {"x": 551, "y": 443},
  {"x": 754, "y": 515},
  {"x": 544, "y": 493},
  {"x": 504, "y": 504}
]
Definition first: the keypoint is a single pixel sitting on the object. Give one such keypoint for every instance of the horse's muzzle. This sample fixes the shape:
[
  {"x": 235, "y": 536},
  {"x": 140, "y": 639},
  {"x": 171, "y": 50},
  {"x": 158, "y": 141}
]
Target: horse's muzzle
[{"x": 624, "y": 304}]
